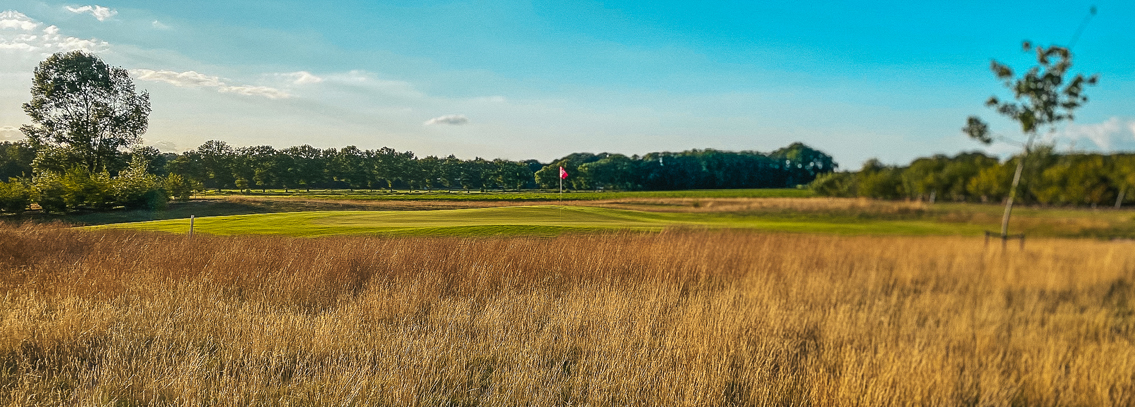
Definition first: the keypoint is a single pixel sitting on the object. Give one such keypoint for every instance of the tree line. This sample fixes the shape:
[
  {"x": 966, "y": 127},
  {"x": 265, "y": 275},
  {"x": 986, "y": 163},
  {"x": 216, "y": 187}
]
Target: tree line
[
  {"x": 1071, "y": 179},
  {"x": 58, "y": 181}
]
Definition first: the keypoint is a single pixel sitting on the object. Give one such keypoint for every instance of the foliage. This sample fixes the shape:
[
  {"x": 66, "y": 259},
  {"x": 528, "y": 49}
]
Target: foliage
[
  {"x": 180, "y": 188},
  {"x": 1055, "y": 179},
  {"x": 835, "y": 184},
  {"x": 76, "y": 188},
  {"x": 16, "y": 159},
  {"x": 83, "y": 105},
  {"x": 15, "y": 196},
  {"x": 135, "y": 188}
]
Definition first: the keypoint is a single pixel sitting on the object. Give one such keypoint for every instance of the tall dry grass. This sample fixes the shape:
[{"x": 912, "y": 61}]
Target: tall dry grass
[{"x": 677, "y": 318}]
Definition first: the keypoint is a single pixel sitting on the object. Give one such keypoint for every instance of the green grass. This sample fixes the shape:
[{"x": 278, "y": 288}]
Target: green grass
[
  {"x": 522, "y": 196},
  {"x": 527, "y": 220}
]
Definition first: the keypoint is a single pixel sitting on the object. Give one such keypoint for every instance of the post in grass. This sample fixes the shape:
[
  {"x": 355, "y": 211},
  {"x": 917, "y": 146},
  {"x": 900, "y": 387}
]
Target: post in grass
[
  {"x": 563, "y": 175},
  {"x": 190, "y": 225}
]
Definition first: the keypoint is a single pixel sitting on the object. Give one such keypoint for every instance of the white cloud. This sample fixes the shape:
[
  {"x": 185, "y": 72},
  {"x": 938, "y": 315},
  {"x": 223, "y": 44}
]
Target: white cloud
[
  {"x": 187, "y": 79},
  {"x": 164, "y": 146},
  {"x": 9, "y": 131},
  {"x": 301, "y": 77},
  {"x": 1106, "y": 135},
  {"x": 99, "y": 12},
  {"x": 452, "y": 120},
  {"x": 159, "y": 25},
  {"x": 192, "y": 79},
  {"x": 491, "y": 99},
  {"x": 371, "y": 84},
  {"x": 270, "y": 93},
  {"x": 19, "y": 33},
  {"x": 12, "y": 19}
]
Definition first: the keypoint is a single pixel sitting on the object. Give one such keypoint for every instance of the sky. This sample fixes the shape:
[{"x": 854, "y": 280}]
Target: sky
[{"x": 542, "y": 79}]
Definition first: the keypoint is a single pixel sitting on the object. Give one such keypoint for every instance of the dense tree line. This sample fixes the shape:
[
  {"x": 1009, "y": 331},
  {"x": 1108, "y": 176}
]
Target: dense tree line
[
  {"x": 215, "y": 165},
  {"x": 1049, "y": 179},
  {"x": 794, "y": 165}
]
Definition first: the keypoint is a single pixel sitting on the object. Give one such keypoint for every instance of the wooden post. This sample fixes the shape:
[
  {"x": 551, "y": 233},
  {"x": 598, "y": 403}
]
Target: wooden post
[{"x": 190, "y": 225}]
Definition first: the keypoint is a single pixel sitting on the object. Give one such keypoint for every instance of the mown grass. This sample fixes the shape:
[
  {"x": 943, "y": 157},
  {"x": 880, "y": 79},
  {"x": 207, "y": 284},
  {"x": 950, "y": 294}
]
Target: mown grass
[
  {"x": 682, "y": 317},
  {"x": 527, "y": 220},
  {"x": 811, "y": 215},
  {"x": 516, "y": 196}
]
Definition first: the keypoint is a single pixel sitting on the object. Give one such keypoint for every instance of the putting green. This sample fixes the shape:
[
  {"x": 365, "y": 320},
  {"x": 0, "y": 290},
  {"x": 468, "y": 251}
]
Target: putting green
[{"x": 523, "y": 220}]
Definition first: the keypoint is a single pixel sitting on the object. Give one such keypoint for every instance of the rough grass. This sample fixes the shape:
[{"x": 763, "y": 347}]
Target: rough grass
[{"x": 683, "y": 317}]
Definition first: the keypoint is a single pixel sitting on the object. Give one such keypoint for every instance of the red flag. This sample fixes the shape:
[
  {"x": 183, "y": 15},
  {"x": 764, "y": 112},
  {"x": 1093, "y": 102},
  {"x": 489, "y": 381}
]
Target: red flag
[{"x": 563, "y": 174}]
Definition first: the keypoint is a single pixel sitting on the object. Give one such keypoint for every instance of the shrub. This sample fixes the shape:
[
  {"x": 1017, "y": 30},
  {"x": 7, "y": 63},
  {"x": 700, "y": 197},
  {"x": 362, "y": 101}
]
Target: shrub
[
  {"x": 836, "y": 184},
  {"x": 135, "y": 188},
  {"x": 15, "y": 196},
  {"x": 74, "y": 188},
  {"x": 178, "y": 187}
]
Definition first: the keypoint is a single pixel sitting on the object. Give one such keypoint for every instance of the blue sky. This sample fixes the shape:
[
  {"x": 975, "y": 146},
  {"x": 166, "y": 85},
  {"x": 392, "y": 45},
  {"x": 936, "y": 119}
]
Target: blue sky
[{"x": 541, "y": 79}]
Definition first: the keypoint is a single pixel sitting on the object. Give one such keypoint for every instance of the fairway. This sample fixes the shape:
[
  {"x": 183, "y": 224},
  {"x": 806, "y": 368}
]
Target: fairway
[{"x": 526, "y": 220}]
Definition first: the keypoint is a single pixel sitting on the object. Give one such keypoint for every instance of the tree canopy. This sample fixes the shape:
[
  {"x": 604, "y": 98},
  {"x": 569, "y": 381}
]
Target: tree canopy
[{"x": 84, "y": 105}]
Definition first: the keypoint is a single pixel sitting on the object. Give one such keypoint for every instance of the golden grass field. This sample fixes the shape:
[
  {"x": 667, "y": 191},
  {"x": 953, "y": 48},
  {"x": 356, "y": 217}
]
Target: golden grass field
[{"x": 682, "y": 317}]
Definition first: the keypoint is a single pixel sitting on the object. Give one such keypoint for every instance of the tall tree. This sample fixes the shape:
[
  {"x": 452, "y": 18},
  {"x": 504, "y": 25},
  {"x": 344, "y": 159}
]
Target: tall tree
[
  {"x": 217, "y": 161},
  {"x": 81, "y": 103},
  {"x": 1041, "y": 99}
]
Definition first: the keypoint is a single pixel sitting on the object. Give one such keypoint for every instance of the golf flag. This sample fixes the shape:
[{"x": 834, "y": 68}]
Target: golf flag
[{"x": 563, "y": 173}]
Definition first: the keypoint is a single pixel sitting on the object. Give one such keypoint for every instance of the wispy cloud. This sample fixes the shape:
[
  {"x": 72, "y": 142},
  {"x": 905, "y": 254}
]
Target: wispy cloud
[
  {"x": 370, "y": 83},
  {"x": 159, "y": 25},
  {"x": 451, "y": 120},
  {"x": 301, "y": 77},
  {"x": 99, "y": 12},
  {"x": 1106, "y": 135},
  {"x": 270, "y": 93},
  {"x": 187, "y": 79},
  {"x": 192, "y": 79}
]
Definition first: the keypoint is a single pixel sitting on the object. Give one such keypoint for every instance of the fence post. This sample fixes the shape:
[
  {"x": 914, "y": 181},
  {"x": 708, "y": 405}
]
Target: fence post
[{"x": 190, "y": 225}]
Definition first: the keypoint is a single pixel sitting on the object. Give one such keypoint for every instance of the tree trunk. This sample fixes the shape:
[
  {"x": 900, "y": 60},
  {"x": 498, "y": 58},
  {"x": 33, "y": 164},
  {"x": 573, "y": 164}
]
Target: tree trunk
[
  {"x": 1013, "y": 188},
  {"x": 1119, "y": 200}
]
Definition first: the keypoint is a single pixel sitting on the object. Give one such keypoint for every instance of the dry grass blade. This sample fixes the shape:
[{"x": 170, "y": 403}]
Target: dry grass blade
[{"x": 684, "y": 317}]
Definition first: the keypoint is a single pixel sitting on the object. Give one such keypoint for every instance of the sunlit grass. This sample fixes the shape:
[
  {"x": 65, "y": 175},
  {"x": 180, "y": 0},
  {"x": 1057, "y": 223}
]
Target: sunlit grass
[
  {"x": 526, "y": 195},
  {"x": 682, "y": 317},
  {"x": 530, "y": 219}
]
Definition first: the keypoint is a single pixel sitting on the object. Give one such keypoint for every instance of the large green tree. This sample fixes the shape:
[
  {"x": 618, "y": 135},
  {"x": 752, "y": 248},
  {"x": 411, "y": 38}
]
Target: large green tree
[
  {"x": 1042, "y": 99},
  {"x": 82, "y": 104}
]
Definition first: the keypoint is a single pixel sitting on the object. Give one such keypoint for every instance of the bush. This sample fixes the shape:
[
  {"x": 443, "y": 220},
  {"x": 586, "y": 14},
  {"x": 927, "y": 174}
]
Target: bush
[
  {"x": 135, "y": 188},
  {"x": 73, "y": 189},
  {"x": 835, "y": 184},
  {"x": 50, "y": 192},
  {"x": 15, "y": 196},
  {"x": 179, "y": 188}
]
